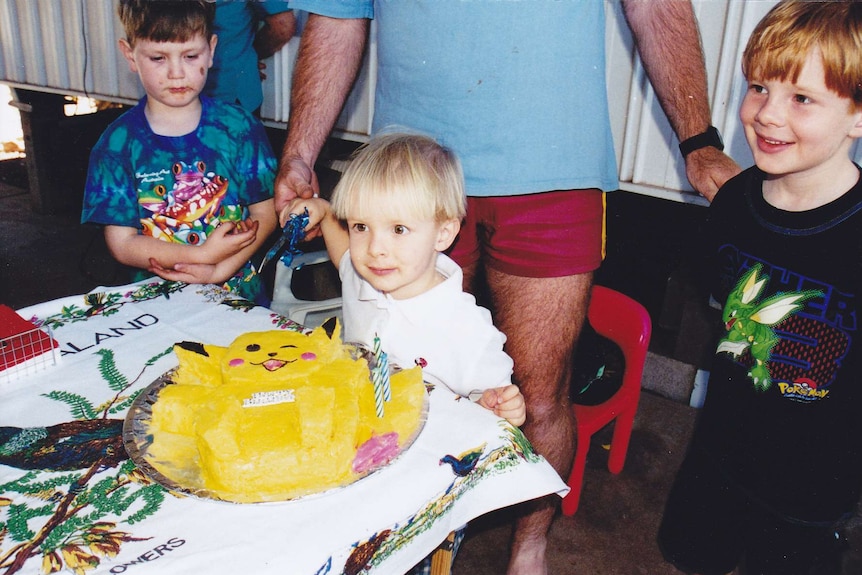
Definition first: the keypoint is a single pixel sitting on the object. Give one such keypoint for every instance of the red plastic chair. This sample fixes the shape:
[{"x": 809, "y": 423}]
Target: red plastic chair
[{"x": 626, "y": 323}]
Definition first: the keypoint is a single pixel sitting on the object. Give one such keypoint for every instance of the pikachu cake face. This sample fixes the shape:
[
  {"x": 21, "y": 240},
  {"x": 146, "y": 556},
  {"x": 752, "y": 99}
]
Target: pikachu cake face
[
  {"x": 280, "y": 354},
  {"x": 277, "y": 415}
]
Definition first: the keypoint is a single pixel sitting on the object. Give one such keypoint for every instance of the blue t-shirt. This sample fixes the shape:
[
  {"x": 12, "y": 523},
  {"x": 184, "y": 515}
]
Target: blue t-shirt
[
  {"x": 515, "y": 88},
  {"x": 234, "y": 76},
  {"x": 179, "y": 188}
]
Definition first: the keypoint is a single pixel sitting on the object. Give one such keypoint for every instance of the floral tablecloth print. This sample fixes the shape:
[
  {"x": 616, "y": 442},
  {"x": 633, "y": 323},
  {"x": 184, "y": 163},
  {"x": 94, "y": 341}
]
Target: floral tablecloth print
[{"x": 71, "y": 500}]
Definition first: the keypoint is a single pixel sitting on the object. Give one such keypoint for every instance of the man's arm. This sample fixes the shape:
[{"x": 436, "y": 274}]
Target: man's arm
[
  {"x": 669, "y": 45},
  {"x": 329, "y": 57}
]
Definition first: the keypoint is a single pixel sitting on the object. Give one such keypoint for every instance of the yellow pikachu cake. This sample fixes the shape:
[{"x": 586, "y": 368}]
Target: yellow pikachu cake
[{"x": 278, "y": 415}]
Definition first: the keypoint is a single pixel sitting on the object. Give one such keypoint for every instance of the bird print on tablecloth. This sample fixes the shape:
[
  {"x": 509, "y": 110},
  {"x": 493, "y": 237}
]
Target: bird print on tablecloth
[
  {"x": 464, "y": 463},
  {"x": 239, "y": 303},
  {"x": 360, "y": 558},
  {"x": 64, "y": 447}
]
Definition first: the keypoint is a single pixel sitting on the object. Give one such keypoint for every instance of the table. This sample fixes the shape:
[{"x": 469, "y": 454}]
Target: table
[{"x": 90, "y": 510}]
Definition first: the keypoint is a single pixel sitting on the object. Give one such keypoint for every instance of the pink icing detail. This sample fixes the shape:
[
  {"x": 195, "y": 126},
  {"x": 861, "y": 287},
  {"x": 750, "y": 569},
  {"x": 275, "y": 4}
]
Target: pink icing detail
[
  {"x": 309, "y": 355},
  {"x": 376, "y": 452},
  {"x": 273, "y": 364},
  {"x": 236, "y": 361}
]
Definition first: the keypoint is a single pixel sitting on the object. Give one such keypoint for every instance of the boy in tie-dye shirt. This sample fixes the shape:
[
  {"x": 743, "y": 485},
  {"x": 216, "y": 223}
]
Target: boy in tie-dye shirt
[{"x": 181, "y": 183}]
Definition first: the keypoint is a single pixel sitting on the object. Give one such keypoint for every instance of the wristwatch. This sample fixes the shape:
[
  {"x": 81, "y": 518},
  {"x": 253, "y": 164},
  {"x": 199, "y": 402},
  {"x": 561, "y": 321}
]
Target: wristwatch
[{"x": 710, "y": 137}]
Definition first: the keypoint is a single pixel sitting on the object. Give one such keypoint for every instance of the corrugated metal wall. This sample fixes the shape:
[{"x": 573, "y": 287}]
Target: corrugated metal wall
[
  {"x": 70, "y": 46},
  {"x": 65, "y": 46},
  {"x": 647, "y": 153}
]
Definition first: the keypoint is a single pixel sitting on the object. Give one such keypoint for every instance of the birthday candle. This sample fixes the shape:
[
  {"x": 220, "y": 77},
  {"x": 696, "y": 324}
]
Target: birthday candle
[
  {"x": 384, "y": 375},
  {"x": 377, "y": 377},
  {"x": 381, "y": 363},
  {"x": 378, "y": 392}
]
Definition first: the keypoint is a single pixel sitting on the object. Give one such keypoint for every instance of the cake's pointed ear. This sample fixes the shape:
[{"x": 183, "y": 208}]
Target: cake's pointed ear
[
  {"x": 194, "y": 347},
  {"x": 329, "y": 326}
]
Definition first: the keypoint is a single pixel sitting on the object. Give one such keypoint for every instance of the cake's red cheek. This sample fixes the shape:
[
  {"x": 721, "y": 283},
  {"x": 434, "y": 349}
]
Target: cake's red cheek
[
  {"x": 309, "y": 356},
  {"x": 237, "y": 361}
]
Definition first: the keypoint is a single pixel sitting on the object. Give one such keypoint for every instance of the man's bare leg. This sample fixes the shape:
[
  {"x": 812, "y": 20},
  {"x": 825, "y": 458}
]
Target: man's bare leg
[{"x": 542, "y": 318}]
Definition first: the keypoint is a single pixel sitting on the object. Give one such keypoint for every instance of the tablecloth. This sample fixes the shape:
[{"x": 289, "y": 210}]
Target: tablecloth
[{"x": 71, "y": 499}]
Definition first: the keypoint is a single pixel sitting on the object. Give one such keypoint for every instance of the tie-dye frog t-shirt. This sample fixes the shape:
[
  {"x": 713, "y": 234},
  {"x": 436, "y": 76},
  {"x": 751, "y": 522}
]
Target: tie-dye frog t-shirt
[{"x": 178, "y": 189}]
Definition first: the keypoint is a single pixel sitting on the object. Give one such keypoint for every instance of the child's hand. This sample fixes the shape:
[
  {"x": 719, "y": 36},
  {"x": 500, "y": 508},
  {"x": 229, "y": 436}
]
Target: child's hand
[
  {"x": 317, "y": 210},
  {"x": 506, "y": 402},
  {"x": 230, "y": 238},
  {"x": 185, "y": 272}
]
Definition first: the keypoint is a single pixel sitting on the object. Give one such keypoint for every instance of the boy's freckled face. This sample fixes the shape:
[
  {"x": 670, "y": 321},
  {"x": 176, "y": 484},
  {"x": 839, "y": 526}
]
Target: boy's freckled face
[
  {"x": 799, "y": 128},
  {"x": 173, "y": 74},
  {"x": 396, "y": 255}
]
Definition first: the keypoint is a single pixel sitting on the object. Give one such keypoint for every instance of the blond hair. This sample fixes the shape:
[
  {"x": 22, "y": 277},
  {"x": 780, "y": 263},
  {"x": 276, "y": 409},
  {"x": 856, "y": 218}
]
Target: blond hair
[
  {"x": 409, "y": 173},
  {"x": 166, "y": 20},
  {"x": 782, "y": 40}
]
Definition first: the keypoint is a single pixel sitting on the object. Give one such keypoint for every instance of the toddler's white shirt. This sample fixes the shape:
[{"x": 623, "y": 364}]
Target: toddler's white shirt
[{"x": 443, "y": 329}]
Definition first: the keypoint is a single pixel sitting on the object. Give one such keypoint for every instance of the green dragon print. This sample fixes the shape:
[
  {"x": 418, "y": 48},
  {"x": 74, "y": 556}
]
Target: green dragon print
[{"x": 750, "y": 323}]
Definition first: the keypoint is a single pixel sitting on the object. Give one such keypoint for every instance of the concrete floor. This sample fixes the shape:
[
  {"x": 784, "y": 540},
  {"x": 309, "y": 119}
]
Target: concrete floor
[{"x": 613, "y": 532}]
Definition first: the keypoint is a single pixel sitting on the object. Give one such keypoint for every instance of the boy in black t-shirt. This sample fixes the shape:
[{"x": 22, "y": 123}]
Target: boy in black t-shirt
[{"x": 775, "y": 462}]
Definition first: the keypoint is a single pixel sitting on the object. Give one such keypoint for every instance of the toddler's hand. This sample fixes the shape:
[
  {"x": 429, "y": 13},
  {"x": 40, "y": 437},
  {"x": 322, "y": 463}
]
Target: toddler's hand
[
  {"x": 317, "y": 210},
  {"x": 506, "y": 402}
]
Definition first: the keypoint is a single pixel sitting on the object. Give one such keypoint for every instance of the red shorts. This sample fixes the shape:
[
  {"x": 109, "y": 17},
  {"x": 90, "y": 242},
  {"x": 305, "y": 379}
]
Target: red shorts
[{"x": 550, "y": 234}]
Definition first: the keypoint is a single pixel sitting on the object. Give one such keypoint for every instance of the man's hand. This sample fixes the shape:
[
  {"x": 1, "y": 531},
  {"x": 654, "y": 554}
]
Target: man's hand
[
  {"x": 707, "y": 169},
  {"x": 296, "y": 179},
  {"x": 328, "y": 60}
]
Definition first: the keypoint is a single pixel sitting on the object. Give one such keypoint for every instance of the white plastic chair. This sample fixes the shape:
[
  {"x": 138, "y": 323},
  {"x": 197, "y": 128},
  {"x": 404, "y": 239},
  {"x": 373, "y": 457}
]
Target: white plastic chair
[{"x": 287, "y": 304}]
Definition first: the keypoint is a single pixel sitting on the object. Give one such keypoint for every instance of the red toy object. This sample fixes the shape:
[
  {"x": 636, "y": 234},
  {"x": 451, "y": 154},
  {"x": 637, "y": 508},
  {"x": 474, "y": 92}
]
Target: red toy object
[
  {"x": 20, "y": 339},
  {"x": 627, "y": 323}
]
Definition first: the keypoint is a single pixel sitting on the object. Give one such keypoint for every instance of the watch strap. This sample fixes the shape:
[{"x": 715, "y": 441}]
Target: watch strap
[{"x": 711, "y": 137}]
